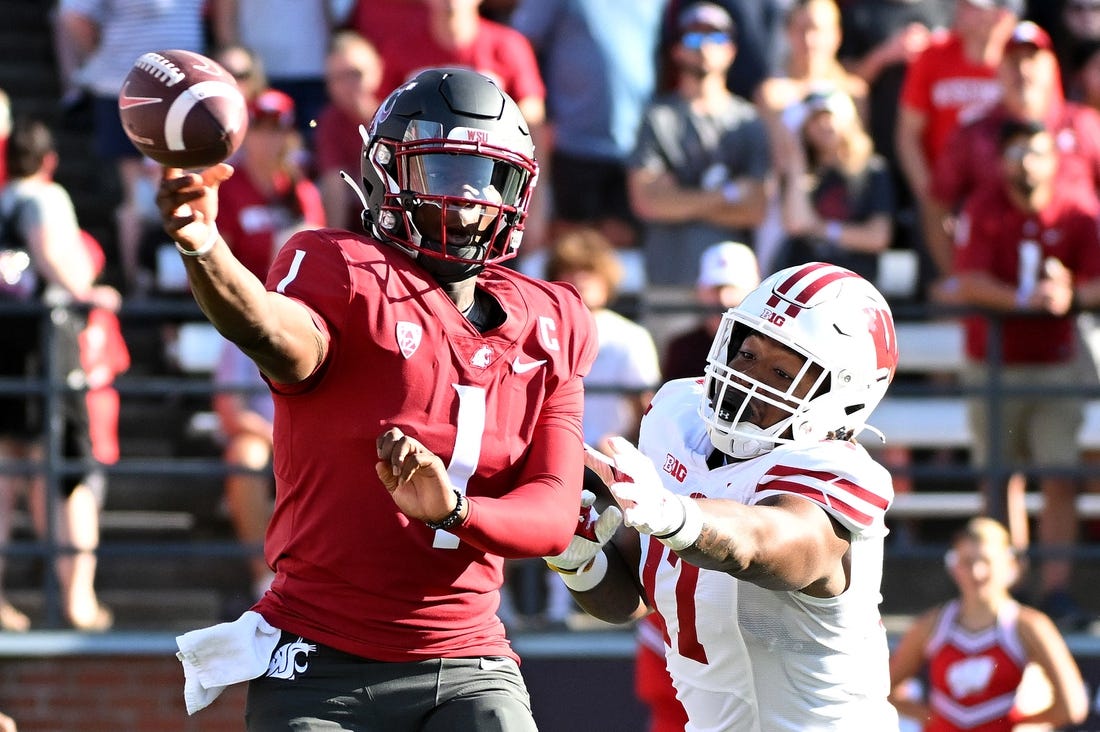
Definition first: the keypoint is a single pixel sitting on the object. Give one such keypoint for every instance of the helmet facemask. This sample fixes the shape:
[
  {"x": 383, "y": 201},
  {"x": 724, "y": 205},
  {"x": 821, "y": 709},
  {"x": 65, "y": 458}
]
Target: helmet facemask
[
  {"x": 841, "y": 329},
  {"x": 461, "y": 203},
  {"x": 734, "y": 402},
  {"x": 448, "y": 171}
]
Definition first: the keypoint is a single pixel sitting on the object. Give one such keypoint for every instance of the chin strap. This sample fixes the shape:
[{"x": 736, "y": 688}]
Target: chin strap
[
  {"x": 364, "y": 221},
  {"x": 749, "y": 441},
  {"x": 875, "y": 430},
  {"x": 355, "y": 187}
]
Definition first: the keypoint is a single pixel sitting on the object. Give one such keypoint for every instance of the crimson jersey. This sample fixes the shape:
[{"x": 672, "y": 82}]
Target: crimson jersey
[
  {"x": 948, "y": 89},
  {"x": 971, "y": 160},
  {"x": 255, "y": 224},
  {"x": 974, "y": 675},
  {"x": 501, "y": 409},
  {"x": 988, "y": 238},
  {"x": 745, "y": 658}
]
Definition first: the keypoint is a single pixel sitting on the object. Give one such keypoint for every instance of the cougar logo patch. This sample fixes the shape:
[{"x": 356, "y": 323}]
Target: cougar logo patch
[
  {"x": 285, "y": 663},
  {"x": 482, "y": 357}
]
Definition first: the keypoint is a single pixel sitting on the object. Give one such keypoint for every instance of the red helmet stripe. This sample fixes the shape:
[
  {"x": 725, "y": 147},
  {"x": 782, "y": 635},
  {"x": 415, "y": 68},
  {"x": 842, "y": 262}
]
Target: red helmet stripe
[
  {"x": 788, "y": 284},
  {"x": 824, "y": 279}
]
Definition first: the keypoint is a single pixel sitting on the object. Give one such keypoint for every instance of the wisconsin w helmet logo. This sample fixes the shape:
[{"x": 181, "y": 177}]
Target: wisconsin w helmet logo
[{"x": 881, "y": 327}]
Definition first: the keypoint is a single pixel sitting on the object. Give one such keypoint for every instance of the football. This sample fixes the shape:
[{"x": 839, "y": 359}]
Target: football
[{"x": 182, "y": 109}]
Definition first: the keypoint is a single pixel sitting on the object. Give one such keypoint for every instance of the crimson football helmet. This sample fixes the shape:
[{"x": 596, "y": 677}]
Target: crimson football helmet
[
  {"x": 448, "y": 171},
  {"x": 830, "y": 315}
]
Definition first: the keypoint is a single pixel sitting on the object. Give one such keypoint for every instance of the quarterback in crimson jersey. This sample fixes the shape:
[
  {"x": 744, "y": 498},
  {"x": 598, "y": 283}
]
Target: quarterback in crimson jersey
[
  {"x": 753, "y": 523},
  {"x": 408, "y": 357},
  {"x": 427, "y": 425}
]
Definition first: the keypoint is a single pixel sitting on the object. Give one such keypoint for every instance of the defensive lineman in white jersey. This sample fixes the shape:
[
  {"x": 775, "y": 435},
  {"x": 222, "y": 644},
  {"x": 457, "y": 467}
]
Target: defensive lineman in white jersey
[{"x": 754, "y": 523}]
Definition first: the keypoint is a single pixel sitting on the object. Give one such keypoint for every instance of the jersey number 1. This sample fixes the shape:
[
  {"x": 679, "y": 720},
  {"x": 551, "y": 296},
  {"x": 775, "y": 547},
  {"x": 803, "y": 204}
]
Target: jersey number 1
[{"x": 468, "y": 435}]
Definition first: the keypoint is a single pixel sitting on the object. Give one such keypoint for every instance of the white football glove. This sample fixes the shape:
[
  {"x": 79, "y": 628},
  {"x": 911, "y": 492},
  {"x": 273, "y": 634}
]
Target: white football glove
[
  {"x": 594, "y": 530},
  {"x": 647, "y": 505}
]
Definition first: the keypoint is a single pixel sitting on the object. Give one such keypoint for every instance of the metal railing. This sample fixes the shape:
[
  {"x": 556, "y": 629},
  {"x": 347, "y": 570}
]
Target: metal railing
[{"x": 51, "y": 386}]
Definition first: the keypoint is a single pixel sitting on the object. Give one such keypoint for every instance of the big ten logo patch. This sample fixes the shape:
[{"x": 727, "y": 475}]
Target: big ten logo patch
[{"x": 675, "y": 468}]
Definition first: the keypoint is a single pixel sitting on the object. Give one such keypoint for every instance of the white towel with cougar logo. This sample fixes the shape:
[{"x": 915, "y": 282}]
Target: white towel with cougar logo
[{"x": 224, "y": 654}]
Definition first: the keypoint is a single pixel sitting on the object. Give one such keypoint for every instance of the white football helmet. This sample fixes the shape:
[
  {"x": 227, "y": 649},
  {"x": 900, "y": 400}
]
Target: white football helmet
[{"x": 833, "y": 317}]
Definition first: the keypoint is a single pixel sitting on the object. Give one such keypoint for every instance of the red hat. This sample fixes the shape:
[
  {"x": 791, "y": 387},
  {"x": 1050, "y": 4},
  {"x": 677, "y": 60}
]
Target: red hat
[
  {"x": 273, "y": 104},
  {"x": 1029, "y": 34}
]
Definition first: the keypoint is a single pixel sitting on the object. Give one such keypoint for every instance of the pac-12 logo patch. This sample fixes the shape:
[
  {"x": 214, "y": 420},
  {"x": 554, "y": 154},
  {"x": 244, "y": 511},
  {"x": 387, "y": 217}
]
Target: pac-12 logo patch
[{"x": 408, "y": 337}]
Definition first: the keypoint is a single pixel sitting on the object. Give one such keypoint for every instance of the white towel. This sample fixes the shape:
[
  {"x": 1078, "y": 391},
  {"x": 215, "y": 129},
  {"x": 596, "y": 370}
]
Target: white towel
[{"x": 224, "y": 654}]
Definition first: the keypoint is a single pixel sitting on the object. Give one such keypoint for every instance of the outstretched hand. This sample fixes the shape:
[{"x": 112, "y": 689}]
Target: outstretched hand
[
  {"x": 415, "y": 477},
  {"x": 647, "y": 505},
  {"x": 188, "y": 203}
]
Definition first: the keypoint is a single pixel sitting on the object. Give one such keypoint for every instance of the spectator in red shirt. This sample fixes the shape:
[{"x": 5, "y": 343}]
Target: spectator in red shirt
[
  {"x": 269, "y": 198},
  {"x": 453, "y": 33},
  {"x": 450, "y": 33},
  {"x": 1031, "y": 246},
  {"x": 1031, "y": 84},
  {"x": 353, "y": 74},
  {"x": 952, "y": 82}
]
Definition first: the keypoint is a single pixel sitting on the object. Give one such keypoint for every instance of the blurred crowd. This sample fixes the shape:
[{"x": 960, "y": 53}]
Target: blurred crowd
[{"x": 947, "y": 150}]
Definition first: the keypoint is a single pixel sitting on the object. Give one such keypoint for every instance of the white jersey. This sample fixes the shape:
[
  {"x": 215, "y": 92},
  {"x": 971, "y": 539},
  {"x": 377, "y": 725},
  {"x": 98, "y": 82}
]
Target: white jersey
[{"x": 743, "y": 657}]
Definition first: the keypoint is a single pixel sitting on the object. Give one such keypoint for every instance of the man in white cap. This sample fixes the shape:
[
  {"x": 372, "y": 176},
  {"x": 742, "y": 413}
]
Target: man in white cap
[{"x": 727, "y": 272}]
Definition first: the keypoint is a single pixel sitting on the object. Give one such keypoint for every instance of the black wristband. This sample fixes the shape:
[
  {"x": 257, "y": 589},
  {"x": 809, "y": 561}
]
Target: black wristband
[
  {"x": 450, "y": 519},
  {"x": 675, "y": 531}
]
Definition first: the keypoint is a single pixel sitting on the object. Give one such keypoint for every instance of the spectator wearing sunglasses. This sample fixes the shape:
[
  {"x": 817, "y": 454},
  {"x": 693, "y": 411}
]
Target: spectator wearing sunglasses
[
  {"x": 246, "y": 68},
  {"x": 697, "y": 175}
]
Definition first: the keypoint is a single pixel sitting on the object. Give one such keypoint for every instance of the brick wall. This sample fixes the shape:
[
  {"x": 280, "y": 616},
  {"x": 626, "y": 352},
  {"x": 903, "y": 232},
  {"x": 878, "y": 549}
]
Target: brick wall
[
  {"x": 101, "y": 693},
  {"x": 124, "y": 691}
]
